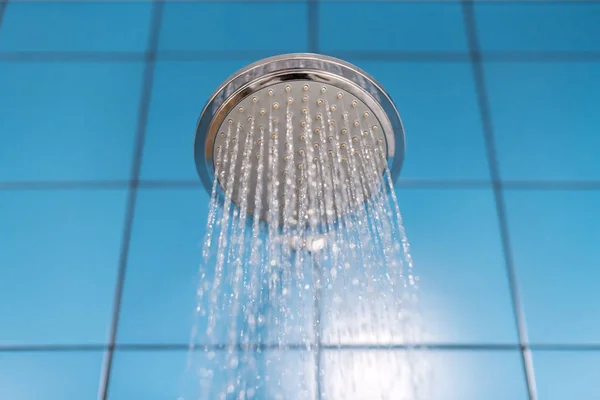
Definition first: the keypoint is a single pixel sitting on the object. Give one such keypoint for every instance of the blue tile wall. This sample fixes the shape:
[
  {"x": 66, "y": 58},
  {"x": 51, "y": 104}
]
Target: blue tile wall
[
  {"x": 50, "y": 375},
  {"x": 499, "y": 193},
  {"x": 557, "y": 26},
  {"x": 545, "y": 119},
  {"x": 235, "y": 26},
  {"x": 555, "y": 236},
  {"x": 76, "y": 26},
  {"x": 68, "y": 121},
  {"x": 567, "y": 374},
  {"x": 450, "y": 375},
  {"x": 155, "y": 375},
  {"x": 60, "y": 254},
  {"x": 391, "y": 26}
]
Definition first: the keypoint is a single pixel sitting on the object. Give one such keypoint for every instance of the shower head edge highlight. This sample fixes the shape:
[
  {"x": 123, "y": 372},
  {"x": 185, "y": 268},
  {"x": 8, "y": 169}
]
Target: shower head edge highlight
[{"x": 296, "y": 66}]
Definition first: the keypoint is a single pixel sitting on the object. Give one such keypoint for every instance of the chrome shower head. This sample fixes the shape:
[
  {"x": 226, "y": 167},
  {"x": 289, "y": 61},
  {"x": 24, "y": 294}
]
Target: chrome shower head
[{"x": 285, "y": 116}]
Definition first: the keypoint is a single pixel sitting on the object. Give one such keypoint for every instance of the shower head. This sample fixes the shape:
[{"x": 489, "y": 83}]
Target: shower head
[{"x": 294, "y": 119}]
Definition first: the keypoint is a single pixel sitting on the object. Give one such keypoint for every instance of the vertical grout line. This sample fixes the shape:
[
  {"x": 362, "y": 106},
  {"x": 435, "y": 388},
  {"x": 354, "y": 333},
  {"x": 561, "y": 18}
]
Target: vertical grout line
[
  {"x": 313, "y": 26},
  {"x": 488, "y": 131},
  {"x": 3, "y": 5},
  {"x": 142, "y": 120}
]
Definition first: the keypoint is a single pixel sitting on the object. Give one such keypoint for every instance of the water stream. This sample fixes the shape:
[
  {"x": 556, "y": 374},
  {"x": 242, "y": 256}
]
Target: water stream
[{"x": 302, "y": 302}]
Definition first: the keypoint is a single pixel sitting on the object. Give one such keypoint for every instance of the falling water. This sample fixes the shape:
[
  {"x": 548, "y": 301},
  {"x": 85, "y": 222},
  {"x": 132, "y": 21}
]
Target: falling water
[{"x": 311, "y": 256}]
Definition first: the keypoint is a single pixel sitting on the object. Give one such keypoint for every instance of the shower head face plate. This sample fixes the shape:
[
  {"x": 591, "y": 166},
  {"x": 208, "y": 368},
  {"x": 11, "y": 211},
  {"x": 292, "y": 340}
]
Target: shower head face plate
[
  {"x": 301, "y": 127},
  {"x": 294, "y": 119}
]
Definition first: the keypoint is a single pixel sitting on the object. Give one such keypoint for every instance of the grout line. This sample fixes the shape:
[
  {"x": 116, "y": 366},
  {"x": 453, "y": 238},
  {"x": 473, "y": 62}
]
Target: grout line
[
  {"x": 484, "y": 109},
  {"x": 302, "y": 347},
  {"x": 52, "y": 348},
  {"x": 565, "y": 347},
  {"x": 313, "y": 25},
  {"x": 3, "y": 5},
  {"x": 406, "y": 56},
  {"x": 371, "y": 2},
  {"x": 157, "y": 12},
  {"x": 72, "y": 56},
  {"x": 64, "y": 185},
  {"x": 313, "y": 32},
  {"x": 541, "y": 56}
]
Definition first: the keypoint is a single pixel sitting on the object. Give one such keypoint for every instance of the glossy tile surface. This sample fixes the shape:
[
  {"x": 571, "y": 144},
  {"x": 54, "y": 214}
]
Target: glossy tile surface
[{"x": 102, "y": 215}]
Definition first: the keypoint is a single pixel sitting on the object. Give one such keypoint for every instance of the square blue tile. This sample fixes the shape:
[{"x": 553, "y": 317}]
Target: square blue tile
[
  {"x": 555, "y": 238},
  {"x": 164, "y": 258},
  {"x": 235, "y": 26},
  {"x": 441, "y": 375},
  {"x": 464, "y": 293},
  {"x": 545, "y": 119},
  {"x": 538, "y": 26},
  {"x": 68, "y": 121},
  {"x": 75, "y": 26},
  {"x": 50, "y": 375},
  {"x": 391, "y": 26},
  {"x": 567, "y": 374},
  {"x": 181, "y": 90},
  {"x": 438, "y": 107},
  {"x": 158, "y": 375},
  {"x": 59, "y": 264},
  {"x": 159, "y": 293}
]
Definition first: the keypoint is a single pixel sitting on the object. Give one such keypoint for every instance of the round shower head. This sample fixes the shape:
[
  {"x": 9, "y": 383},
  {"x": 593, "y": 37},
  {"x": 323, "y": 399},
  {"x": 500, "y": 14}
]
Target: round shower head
[{"x": 285, "y": 116}]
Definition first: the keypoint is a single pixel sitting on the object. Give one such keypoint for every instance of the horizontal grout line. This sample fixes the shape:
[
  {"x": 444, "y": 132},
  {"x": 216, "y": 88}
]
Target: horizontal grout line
[
  {"x": 391, "y": 56},
  {"x": 299, "y": 347},
  {"x": 52, "y": 348},
  {"x": 407, "y": 183},
  {"x": 338, "y": 1},
  {"x": 565, "y": 347},
  {"x": 62, "y": 185},
  {"x": 73, "y": 56},
  {"x": 537, "y": 56},
  {"x": 551, "y": 185},
  {"x": 424, "y": 56}
]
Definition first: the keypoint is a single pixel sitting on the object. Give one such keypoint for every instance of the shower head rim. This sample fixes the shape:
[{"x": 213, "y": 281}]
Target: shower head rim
[{"x": 288, "y": 66}]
